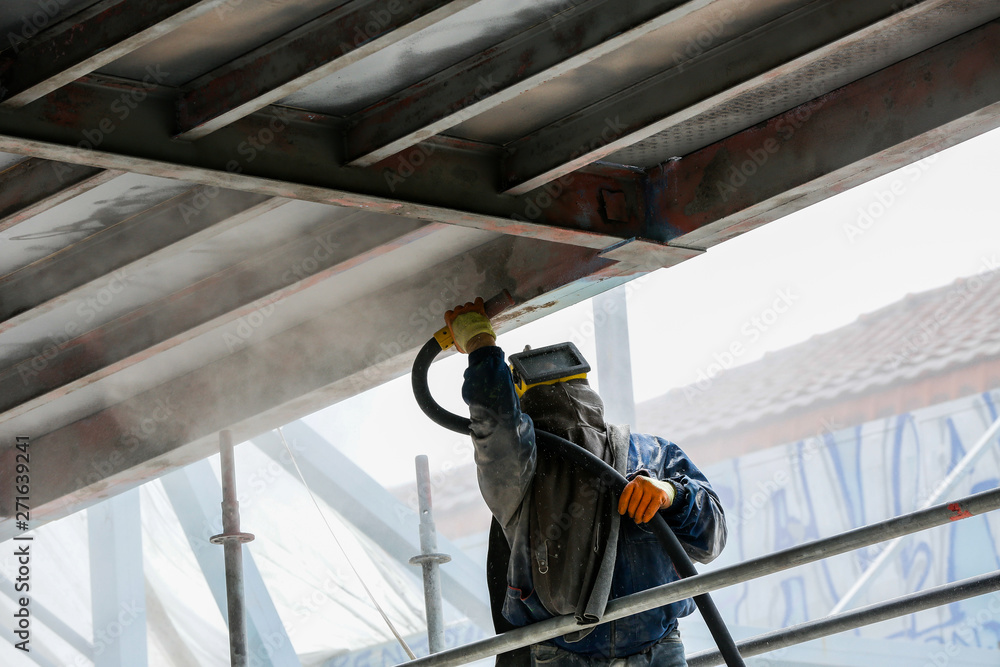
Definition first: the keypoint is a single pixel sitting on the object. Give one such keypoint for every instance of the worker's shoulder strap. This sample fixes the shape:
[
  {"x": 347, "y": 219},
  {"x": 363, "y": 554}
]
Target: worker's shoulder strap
[{"x": 619, "y": 436}]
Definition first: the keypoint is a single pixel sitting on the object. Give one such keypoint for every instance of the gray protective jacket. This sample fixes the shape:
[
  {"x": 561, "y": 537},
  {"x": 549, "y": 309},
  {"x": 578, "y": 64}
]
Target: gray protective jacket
[{"x": 508, "y": 463}]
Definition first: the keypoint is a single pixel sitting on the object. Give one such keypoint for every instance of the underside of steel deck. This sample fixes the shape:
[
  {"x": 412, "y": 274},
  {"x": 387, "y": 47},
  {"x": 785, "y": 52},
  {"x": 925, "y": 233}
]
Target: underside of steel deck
[{"x": 227, "y": 214}]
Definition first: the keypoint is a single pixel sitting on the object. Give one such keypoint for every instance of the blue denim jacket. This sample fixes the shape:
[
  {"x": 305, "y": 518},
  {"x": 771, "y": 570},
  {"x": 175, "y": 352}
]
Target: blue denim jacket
[{"x": 504, "y": 442}]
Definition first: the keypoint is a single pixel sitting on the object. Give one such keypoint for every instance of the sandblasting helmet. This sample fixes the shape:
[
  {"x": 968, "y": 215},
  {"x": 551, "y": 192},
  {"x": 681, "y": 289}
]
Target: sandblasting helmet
[{"x": 547, "y": 365}]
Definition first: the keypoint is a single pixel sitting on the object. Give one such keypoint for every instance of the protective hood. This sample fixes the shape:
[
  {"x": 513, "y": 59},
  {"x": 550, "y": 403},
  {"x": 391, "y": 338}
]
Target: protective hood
[
  {"x": 571, "y": 410},
  {"x": 574, "y": 528}
]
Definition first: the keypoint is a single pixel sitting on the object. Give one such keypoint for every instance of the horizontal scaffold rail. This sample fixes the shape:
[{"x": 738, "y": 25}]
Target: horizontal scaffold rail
[
  {"x": 857, "y": 538},
  {"x": 856, "y": 618}
]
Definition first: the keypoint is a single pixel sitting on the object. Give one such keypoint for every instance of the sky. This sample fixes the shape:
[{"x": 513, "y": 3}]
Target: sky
[{"x": 816, "y": 270}]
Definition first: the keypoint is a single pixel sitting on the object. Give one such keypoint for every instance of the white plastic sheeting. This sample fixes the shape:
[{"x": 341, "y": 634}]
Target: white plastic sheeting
[{"x": 319, "y": 599}]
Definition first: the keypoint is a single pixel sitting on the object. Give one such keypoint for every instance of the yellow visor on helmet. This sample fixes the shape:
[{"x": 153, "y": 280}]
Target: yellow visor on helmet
[{"x": 547, "y": 365}]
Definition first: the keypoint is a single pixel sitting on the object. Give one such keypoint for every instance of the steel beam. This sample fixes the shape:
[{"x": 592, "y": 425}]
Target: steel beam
[
  {"x": 579, "y": 35},
  {"x": 372, "y": 510},
  {"x": 34, "y": 186},
  {"x": 900, "y": 114},
  {"x": 316, "y": 50},
  {"x": 165, "y": 231},
  {"x": 195, "y": 494},
  {"x": 117, "y": 583},
  {"x": 255, "y": 285},
  {"x": 299, "y": 155},
  {"x": 271, "y": 380},
  {"x": 89, "y": 40},
  {"x": 815, "y": 36}
]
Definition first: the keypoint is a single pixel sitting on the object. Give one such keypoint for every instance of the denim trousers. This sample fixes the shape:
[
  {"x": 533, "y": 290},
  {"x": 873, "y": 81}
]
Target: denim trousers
[{"x": 668, "y": 652}]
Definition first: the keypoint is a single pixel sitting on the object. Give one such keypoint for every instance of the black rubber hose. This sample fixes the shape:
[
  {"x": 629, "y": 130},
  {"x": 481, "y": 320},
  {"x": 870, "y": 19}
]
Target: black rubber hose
[
  {"x": 418, "y": 377},
  {"x": 602, "y": 471}
]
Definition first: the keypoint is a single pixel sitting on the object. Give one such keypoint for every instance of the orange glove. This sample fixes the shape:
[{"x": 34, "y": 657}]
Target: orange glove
[
  {"x": 643, "y": 497},
  {"x": 468, "y": 321}
]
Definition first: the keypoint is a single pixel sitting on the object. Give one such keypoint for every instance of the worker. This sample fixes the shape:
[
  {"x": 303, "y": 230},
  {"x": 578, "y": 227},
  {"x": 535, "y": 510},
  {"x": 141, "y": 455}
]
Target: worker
[{"x": 559, "y": 544}]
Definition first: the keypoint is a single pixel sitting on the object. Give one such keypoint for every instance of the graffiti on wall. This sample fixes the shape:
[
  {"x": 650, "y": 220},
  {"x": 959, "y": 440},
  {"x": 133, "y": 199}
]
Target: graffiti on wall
[{"x": 841, "y": 479}]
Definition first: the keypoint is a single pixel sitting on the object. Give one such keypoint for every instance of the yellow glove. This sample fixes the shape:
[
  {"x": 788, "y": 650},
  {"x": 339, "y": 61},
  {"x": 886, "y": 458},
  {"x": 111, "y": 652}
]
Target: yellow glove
[
  {"x": 466, "y": 322},
  {"x": 643, "y": 497}
]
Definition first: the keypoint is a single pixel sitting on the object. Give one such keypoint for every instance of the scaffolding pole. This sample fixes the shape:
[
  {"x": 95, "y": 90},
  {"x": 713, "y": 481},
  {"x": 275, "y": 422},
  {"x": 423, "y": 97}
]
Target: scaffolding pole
[
  {"x": 232, "y": 540},
  {"x": 681, "y": 589},
  {"x": 946, "y": 486},
  {"x": 429, "y": 559},
  {"x": 874, "y": 613}
]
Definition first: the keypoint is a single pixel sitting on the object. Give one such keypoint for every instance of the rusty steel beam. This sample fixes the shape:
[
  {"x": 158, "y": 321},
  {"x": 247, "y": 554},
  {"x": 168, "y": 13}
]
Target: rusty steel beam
[
  {"x": 257, "y": 285},
  {"x": 883, "y": 122},
  {"x": 299, "y": 155},
  {"x": 576, "y": 37},
  {"x": 338, "y": 353},
  {"x": 165, "y": 231},
  {"x": 34, "y": 186},
  {"x": 316, "y": 50},
  {"x": 88, "y": 40},
  {"x": 809, "y": 42}
]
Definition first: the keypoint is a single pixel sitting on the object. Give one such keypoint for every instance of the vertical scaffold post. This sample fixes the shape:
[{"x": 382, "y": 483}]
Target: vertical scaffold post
[
  {"x": 232, "y": 540},
  {"x": 429, "y": 559}
]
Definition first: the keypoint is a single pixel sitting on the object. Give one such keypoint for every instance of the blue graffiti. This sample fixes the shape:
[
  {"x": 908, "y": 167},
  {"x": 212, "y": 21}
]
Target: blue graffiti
[{"x": 860, "y": 475}]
